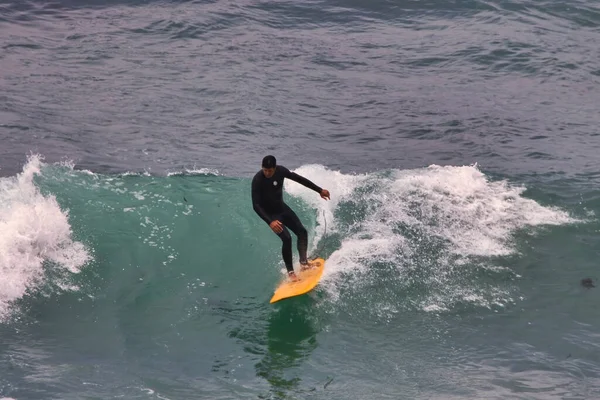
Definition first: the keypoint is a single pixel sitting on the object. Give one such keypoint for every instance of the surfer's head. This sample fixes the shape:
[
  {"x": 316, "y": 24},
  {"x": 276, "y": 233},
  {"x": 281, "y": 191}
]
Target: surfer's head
[{"x": 268, "y": 166}]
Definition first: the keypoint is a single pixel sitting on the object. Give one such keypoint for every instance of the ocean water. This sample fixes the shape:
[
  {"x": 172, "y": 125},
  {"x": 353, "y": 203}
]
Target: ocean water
[{"x": 459, "y": 141}]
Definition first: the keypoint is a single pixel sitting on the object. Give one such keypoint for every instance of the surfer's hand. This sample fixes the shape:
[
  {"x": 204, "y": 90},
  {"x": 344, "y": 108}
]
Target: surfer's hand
[
  {"x": 325, "y": 194},
  {"x": 276, "y": 226}
]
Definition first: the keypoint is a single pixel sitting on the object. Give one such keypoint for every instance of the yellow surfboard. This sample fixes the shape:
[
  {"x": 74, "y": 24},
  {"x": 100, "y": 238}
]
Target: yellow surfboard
[{"x": 307, "y": 280}]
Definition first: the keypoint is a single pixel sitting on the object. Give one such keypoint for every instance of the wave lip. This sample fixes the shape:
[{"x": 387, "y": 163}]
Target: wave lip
[{"x": 34, "y": 234}]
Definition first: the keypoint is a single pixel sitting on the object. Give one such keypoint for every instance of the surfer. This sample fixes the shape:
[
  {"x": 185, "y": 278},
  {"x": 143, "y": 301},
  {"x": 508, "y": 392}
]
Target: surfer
[{"x": 267, "y": 200}]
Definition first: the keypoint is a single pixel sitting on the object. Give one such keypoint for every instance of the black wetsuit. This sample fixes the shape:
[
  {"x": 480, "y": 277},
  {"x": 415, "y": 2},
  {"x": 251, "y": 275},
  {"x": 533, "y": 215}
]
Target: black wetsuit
[{"x": 267, "y": 200}]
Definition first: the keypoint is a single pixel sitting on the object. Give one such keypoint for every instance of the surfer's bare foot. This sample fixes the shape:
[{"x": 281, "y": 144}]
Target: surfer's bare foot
[
  {"x": 306, "y": 265},
  {"x": 292, "y": 276}
]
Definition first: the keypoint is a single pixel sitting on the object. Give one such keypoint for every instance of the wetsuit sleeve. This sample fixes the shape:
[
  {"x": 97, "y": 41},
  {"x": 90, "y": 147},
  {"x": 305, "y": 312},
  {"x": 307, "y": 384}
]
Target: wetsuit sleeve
[
  {"x": 301, "y": 180},
  {"x": 256, "y": 202}
]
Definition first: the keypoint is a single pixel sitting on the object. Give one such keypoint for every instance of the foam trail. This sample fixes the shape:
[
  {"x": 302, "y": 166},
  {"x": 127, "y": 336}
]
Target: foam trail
[
  {"x": 33, "y": 229},
  {"x": 423, "y": 224}
]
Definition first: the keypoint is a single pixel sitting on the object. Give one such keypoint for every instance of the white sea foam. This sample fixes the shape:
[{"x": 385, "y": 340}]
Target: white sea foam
[
  {"x": 33, "y": 229},
  {"x": 195, "y": 171},
  {"x": 441, "y": 218}
]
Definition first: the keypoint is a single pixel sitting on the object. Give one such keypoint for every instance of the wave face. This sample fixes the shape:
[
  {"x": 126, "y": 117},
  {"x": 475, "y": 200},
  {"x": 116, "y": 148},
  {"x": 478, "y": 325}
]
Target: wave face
[
  {"x": 427, "y": 237},
  {"x": 155, "y": 270}
]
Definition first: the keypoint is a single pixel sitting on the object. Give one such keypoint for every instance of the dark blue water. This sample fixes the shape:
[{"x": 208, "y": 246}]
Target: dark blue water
[{"x": 459, "y": 141}]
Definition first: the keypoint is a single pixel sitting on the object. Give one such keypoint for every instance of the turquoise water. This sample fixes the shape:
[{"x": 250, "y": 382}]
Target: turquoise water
[{"x": 440, "y": 282}]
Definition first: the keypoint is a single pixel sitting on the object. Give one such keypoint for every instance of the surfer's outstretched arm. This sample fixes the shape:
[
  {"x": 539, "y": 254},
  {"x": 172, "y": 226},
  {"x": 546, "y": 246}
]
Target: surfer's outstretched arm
[{"x": 306, "y": 182}]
